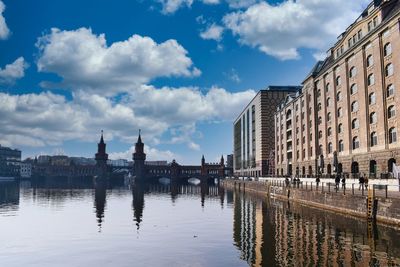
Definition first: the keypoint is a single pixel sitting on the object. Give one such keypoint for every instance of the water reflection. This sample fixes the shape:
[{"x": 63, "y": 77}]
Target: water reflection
[
  {"x": 277, "y": 234},
  {"x": 208, "y": 226},
  {"x": 9, "y": 197}
]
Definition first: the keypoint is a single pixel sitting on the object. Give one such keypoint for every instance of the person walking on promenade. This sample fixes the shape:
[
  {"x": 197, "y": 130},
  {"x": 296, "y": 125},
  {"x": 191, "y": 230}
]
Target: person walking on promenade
[
  {"x": 337, "y": 181},
  {"x": 344, "y": 181},
  {"x": 366, "y": 183},
  {"x": 317, "y": 181},
  {"x": 361, "y": 181}
]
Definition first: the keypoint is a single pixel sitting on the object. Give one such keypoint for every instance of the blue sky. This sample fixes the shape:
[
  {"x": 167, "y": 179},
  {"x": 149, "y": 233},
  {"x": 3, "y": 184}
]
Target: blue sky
[{"x": 180, "y": 70}]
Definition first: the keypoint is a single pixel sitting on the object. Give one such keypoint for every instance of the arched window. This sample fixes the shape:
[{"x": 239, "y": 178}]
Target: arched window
[
  {"x": 318, "y": 93},
  {"x": 355, "y": 124},
  {"x": 374, "y": 139},
  {"x": 319, "y": 106},
  {"x": 338, "y": 80},
  {"x": 338, "y": 96},
  {"x": 354, "y": 106},
  {"x": 387, "y": 49},
  {"x": 371, "y": 79},
  {"x": 340, "y": 128},
  {"x": 330, "y": 148},
  {"x": 356, "y": 143},
  {"x": 329, "y": 116},
  {"x": 389, "y": 70},
  {"x": 370, "y": 61},
  {"x": 321, "y": 150},
  {"x": 340, "y": 112},
  {"x": 392, "y": 135},
  {"x": 320, "y": 134},
  {"x": 289, "y": 114},
  {"x": 391, "y": 112},
  {"x": 372, "y": 98},
  {"x": 353, "y": 89},
  {"x": 319, "y": 120},
  {"x": 390, "y": 90},
  {"x": 353, "y": 72},
  {"x": 327, "y": 87},
  {"x": 341, "y": 146},
  {"x": 328, "y": 102},
  {"x": 329, "y": 131},
  {"x": 373, "y": 118}
]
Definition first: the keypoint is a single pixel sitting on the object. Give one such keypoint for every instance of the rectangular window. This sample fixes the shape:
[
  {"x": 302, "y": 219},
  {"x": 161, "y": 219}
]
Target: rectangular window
[{"x": 359, "y": 34}]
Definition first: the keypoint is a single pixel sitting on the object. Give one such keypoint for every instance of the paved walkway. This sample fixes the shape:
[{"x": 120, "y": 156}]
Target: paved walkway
[{"x": 350, "y": 188}]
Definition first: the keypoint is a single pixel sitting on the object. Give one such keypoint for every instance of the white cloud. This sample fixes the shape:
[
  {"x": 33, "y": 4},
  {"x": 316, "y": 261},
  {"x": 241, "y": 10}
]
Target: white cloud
[
  {"x": 171, "y": 6},
  {"x": 49, "y": 119},
  {"x": 240, "y": 3},
  {"x": 13, "y": 71},
  {"x": 4, "y": 31},
  {"x": 233, "y": 75},
  {"x": 85, "y": 62},
  {"x": 211, "y": 2},
  {"x": 280, "y": 30},
  {"x": 213, "y": 32},
  {"x": 151, "y": 154}
]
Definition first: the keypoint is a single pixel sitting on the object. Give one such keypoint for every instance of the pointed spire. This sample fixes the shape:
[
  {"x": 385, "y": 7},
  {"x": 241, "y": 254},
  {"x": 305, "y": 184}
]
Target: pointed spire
[
  {"x": 139, "y": 138},
  {"x": 101, "y": 139}
]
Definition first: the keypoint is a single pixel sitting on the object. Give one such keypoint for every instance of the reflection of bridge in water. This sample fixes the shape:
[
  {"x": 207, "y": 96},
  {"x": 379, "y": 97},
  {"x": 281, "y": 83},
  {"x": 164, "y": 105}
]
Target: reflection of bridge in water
[{"x": 139, "y": 190}]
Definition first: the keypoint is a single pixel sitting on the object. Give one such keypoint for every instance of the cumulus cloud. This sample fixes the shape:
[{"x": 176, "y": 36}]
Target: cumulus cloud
[
  {"x": 151, "y": 154},
  {"x": 171, "y": 6},
  {"x": 240, "y": 3},
  {"x": 213, "y": 32},
  {"x": 280, "y": 30},
  {"x": 84, "y": 61},
  {"x": 4, "y": 31},
  {"x": 49, "y": 119},
  {"x": 13, "y": 71}
]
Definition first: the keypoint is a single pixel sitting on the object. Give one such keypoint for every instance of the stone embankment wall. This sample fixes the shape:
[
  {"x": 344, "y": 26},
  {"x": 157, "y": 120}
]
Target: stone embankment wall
[{"x": 387, "y": 209}]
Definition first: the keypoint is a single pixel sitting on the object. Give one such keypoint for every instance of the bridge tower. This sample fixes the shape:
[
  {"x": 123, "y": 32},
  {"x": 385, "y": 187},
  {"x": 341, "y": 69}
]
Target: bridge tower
[
  {"x": 221, "y": 171},
  {"x": 101, "y": 155},
  {"x": 139, "y": 158}
]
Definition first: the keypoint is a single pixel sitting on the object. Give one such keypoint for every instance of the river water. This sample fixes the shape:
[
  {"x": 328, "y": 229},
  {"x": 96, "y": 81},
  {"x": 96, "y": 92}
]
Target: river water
[{"x": 81, "y": 224}]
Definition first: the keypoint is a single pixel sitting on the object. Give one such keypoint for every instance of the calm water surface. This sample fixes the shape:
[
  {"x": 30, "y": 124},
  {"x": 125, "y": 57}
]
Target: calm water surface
[{"x": 81, "y": 224}]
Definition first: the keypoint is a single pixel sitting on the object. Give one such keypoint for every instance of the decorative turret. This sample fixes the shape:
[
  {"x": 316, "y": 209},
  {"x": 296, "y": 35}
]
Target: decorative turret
[
  {"x": 139, "y": 158},
  {"x": 203, "y": 161},
  {"x": 222, "y": 162},
  {"x": 101, "y": 155}
]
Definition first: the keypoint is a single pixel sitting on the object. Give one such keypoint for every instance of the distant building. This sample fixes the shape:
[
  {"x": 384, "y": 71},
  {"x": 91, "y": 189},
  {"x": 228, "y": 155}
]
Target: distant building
[
  {"x": 229, "y": 161},
  {"x": 254, "y": 135},
  {"x": 26, "y": 170},
  {"x": 10, "y": 162},
  {"x": 348, "y": 105},
  {"x": 43, "y": 159},
  {"x": 83, "y": 161},
  {"x": 118, "y": 162},
  {"x": 157, "y": 163}
]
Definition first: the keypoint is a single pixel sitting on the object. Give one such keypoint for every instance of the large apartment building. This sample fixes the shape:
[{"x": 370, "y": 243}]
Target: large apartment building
[
  {"x": 254, "y": 138},
  {"x": 348, "y": 105}
]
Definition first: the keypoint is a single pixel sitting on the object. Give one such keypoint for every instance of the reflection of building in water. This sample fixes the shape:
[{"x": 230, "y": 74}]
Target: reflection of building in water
[
  {"x": 276, "y": 236},
  {"x": 9, "y": 195},
  {"x": 138, "y": 203},
  {"x": 100, "y": 195}
]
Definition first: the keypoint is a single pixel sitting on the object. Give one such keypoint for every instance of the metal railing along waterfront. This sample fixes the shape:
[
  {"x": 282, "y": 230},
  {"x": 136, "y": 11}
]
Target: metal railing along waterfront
[{"x": 357, "y": 189}]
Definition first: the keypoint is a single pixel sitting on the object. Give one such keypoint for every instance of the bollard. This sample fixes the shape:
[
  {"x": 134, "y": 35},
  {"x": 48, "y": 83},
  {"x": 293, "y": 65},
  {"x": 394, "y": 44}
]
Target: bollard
[
  {"x": 352, "y": 189},
  {"x": 311, "y": 186},
  {"x": 322, "y": 187},
  {"x": 306, "y": 186},
  {"x": 329, "y": 187},
  {"x": 386, "y": 191},
  {"x": 362, "y": 190}
]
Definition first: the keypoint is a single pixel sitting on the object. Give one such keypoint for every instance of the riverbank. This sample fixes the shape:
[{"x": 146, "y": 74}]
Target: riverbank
[{"x": 361, "y": 204}]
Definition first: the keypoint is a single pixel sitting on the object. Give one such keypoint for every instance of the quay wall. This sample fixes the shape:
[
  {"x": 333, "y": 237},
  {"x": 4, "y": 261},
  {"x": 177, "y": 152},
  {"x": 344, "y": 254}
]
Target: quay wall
[{"x": 387, "y": 209}]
